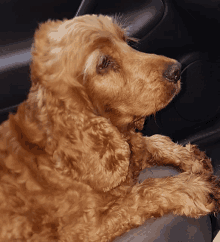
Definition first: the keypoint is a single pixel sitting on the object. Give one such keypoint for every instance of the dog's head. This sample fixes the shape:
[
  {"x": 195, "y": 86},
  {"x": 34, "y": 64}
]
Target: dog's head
[{"x": 90, "y": 54}]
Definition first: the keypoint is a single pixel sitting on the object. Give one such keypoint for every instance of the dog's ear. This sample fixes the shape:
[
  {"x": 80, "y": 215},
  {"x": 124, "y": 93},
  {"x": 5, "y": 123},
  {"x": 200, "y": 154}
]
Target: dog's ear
[
  {"x": 105, "y": 156},
  {"x": 95, "y": 152}
]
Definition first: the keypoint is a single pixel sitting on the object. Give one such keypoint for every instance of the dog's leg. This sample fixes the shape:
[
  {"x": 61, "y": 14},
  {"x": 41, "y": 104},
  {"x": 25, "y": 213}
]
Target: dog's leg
[
  {"x": 160, "y": 150},
  {"x": 186, "y": 195},
  {"x": 189, "y": 158}
]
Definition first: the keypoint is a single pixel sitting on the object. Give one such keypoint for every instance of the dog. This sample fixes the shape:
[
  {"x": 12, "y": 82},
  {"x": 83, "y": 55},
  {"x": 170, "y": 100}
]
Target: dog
[{"x": 71, "y": 155}]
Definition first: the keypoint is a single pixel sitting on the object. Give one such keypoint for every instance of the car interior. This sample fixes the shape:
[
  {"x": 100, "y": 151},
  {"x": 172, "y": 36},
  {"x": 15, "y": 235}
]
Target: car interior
[{"x": 186, "y": 30}]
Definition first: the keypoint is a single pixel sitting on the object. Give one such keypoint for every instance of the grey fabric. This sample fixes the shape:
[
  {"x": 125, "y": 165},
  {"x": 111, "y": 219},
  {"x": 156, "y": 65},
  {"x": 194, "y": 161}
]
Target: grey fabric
[
  {"x": 157, "y": 171},
  {"x": 169, "y": 228}
]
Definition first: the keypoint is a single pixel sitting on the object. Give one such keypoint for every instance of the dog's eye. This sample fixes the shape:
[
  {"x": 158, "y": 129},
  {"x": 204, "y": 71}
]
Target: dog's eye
[{"x": 104, "y": 64}]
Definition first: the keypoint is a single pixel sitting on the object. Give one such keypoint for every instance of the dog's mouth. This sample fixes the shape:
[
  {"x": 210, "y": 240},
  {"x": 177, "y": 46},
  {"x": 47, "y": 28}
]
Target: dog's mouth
[
  {"x": 177, "y": 88},
  {"x": 173, "y": 89},
  {"x": 139, "y": 122},
  {"x": 173, "y": 92}
]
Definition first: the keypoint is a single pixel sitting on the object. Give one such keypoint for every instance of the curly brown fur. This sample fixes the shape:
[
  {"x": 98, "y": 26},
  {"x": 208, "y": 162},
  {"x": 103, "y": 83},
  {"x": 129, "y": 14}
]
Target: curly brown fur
[{"x": 69, "y": 157}]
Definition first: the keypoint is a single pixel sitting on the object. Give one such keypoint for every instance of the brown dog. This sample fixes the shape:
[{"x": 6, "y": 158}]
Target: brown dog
[{"x": 69, "y": 157}]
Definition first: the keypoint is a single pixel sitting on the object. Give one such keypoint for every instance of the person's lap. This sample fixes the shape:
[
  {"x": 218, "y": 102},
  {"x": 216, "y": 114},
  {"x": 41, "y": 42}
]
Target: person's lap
[{"x": 170, "y": 227}]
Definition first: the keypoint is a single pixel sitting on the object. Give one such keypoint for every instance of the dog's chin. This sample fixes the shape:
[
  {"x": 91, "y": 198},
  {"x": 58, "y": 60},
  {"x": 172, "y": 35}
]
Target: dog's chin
[{"x": 173, "y": 92}]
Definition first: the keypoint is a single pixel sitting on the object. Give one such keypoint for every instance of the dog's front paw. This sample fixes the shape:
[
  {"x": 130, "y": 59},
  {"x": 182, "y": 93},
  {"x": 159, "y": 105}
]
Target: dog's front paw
[
  {"x": 200, "y": 161},
  {"x": 198, "y": 196}
]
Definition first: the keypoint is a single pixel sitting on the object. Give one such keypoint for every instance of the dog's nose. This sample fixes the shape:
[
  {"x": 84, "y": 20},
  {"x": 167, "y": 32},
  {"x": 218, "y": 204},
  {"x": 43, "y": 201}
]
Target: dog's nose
[{"x": 172, "y": 73}]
